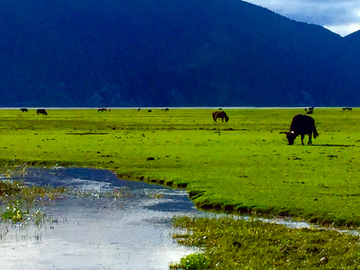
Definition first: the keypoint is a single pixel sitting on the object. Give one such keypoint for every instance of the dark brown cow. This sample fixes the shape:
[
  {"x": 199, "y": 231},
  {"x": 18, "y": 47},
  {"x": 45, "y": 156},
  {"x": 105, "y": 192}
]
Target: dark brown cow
[
  {"x": 102, "y": 110},
  {"x": 24, "y": 110},
  {"x": 302, "y": 125},
  {"x": 41, "y": 111},
  {"x": 220, "y": 114}
]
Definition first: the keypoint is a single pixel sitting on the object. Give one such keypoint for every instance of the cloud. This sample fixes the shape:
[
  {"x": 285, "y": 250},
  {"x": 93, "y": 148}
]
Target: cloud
[
  {"x": 340, "y": 16},
  {"x": 343, "y": 30}
]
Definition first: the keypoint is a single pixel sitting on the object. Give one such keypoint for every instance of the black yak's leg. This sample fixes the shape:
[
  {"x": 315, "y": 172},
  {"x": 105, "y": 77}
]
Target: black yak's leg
[
  {"x": 302, "y": 139},
  {"x": 310, "y": 142}
]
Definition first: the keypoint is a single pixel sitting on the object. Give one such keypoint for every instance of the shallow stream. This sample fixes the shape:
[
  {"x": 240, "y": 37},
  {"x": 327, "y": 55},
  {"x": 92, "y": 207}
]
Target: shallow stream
[{"x": 92, "y": 232}]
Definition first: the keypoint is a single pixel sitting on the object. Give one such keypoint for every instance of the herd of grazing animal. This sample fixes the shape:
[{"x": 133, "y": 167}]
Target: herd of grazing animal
[
  {"x": 301, "y": 124},
  {"x": 149, "y": 110},
  {"x": 38, "y": 111}
]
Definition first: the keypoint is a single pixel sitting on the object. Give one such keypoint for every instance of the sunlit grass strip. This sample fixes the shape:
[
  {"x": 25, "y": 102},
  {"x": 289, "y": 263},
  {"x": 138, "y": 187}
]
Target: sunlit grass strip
[{"x": 228, "y": 243}]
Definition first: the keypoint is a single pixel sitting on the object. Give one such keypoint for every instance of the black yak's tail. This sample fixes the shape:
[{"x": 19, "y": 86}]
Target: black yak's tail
[{"x": 316, "y": 134}]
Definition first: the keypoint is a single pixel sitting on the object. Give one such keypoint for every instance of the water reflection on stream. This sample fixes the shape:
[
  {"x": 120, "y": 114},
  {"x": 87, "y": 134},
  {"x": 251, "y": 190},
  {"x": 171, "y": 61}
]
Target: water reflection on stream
[{"x": 131, "y": 232}]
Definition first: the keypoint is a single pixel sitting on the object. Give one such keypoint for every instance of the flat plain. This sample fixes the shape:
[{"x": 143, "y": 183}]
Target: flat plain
[{"x": 243, "y": 165}]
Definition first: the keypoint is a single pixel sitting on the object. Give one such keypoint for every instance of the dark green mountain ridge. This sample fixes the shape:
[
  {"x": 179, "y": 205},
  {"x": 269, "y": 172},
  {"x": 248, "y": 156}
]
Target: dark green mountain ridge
[{"x": 170, "y": 53}]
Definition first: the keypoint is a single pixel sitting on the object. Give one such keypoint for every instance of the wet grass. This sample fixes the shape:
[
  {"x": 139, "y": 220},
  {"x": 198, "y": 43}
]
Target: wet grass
[
  {"x": 20, "y": 203},
  {"x": 23, "y": 204},
  {"x": 229, "y": 243}
]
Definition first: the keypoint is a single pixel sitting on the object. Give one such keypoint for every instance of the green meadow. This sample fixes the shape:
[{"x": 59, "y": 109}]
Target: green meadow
[{"x": 242, "y": 166}]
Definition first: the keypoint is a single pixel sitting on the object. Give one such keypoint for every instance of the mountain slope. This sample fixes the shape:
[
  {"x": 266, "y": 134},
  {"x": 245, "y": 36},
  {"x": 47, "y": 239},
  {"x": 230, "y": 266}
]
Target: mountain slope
[{"x": 168, "y": 53}]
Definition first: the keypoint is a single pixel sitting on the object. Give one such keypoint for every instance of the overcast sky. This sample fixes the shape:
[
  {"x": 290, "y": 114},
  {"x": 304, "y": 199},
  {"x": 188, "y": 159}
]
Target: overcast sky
[{"x": 339, "y": 16}]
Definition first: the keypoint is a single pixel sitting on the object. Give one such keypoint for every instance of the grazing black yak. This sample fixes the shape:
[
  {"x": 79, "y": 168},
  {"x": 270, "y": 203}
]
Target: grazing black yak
[
  {"x": 102, "y": 110},
  {"x": 220, "y": 114},
  {"x": 41, "y": 111},
  {"x": 309, "y": 110},
  {"x": 24, "y": 110},
  {"x": 301, "y": 125}
]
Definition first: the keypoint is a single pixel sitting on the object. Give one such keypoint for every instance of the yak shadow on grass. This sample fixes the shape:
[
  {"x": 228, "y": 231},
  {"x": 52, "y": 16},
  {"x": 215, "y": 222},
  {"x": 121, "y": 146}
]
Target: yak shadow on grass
[
  {"x": 87, "y": 133},
  {"x": 334, "y": 145}
]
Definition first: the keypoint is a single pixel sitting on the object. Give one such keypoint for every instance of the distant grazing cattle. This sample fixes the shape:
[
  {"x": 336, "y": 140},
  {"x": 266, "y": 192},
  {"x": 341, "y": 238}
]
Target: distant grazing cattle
[
  {"x": 41, "y": 111},
  {"x": 138, "y": 109},
  {"x": 309, "y": 110},
  {"x": 24, "y": 110},
  {"x": 102, "y": 110},
  {"x": 220, "y": 114},
  {"x": 166, "y": 109},
  {"x": 301, "y": 125},
  {"x": 149, "y": 110},
  {"x": 347, "y": 108}
]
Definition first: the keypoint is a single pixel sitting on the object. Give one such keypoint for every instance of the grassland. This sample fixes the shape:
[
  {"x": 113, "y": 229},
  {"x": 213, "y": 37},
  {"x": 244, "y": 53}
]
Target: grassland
[
  {"x": 226, "y": 243},
  {"x": 244, "y": 165}
]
